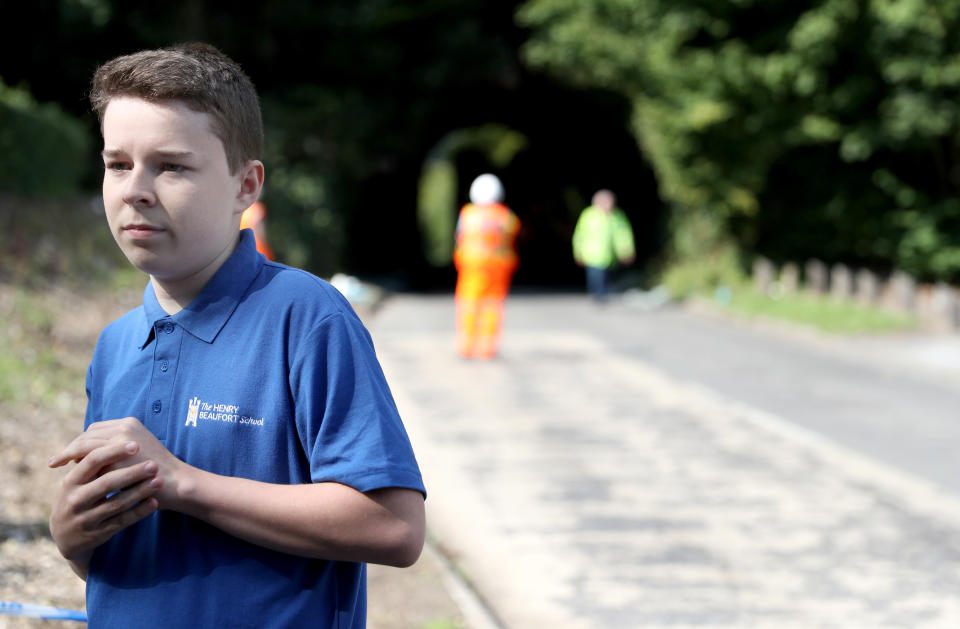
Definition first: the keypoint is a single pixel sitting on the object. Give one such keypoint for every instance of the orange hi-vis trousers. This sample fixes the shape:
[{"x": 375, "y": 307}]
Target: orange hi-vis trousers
[{"x": 480, "y": 295}]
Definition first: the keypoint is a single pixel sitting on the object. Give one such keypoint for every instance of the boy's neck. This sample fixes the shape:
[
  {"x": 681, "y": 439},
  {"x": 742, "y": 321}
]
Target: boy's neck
[
  {"x": 174, "y": 295},
  {"x": 172, "y": 301}
]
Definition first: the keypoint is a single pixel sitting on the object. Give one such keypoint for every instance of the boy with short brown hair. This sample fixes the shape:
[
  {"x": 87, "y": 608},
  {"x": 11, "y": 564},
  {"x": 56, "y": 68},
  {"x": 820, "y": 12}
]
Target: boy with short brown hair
[{"x": 242, "y": 454}]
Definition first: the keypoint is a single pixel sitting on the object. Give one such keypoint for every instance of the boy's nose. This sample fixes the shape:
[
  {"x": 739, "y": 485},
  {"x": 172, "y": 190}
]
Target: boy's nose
[{"x": 138, "y": 191}]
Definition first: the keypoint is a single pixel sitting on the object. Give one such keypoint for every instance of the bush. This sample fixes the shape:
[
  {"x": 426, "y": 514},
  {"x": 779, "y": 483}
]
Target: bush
[
  {"x": 703, "y": 274},
  {"x": 44, "y": 152}
]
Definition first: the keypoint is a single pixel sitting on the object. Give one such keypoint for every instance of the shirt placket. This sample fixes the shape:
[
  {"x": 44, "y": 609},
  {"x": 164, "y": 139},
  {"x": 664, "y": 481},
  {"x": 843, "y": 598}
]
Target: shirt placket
[{"x": 166, "y": 357}]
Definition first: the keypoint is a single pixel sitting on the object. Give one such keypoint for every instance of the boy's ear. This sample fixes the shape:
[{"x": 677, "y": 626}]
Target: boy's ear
[{"x": 251, "y": 182}]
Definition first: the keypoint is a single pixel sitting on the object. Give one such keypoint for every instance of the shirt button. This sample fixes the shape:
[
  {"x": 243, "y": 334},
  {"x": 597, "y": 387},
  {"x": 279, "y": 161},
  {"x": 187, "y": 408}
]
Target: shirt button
[
  {"x": 156, "y": 406},
  {"x": 168, "y": 328},
  {"x": 163, "y": 365}
]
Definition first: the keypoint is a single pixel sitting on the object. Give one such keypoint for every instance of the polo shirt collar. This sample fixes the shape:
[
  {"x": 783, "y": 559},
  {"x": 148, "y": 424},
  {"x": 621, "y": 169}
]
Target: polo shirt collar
[{"x": 209, "y": 311}]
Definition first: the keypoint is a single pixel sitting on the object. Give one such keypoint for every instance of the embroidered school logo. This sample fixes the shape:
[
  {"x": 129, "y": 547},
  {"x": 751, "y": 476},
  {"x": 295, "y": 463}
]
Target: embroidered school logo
[
  {"x": 224, "y": 413},
  {"x": 192, "y": 411}
]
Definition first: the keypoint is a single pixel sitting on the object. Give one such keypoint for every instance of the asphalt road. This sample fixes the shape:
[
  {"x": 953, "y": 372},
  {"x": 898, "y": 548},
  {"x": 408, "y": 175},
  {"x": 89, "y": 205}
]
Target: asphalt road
[{"x": 624, "y": 468}]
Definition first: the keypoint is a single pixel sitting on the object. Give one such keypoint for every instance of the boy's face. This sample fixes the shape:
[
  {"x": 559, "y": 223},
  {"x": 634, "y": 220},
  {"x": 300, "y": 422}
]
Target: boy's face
[{"x": 170, "y": 200}]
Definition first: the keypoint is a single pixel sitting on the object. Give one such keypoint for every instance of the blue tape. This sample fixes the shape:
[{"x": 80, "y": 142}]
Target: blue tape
[{"x": 11, "y": 608}]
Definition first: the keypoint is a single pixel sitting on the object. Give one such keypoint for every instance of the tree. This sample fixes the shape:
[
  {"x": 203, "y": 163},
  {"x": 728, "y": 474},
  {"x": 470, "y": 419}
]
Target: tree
[{"x": 827, "y": 129}]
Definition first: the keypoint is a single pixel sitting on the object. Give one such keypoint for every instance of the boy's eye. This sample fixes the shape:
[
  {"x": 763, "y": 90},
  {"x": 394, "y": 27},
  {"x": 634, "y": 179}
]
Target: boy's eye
[
  {"x": 114, "y": 165},
  {"x": 172, "y": 168}
]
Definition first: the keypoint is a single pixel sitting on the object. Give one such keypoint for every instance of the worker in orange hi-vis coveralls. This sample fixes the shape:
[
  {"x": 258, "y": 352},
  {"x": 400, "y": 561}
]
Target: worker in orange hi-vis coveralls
[
  {"x": 254, "y": 217},
  {"x": 485, "y": 259}
]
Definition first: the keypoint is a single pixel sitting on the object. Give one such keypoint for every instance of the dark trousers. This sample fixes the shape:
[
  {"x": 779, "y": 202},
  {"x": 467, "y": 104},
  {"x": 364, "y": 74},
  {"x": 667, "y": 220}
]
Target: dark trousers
[{"x": 598, "y": 282}]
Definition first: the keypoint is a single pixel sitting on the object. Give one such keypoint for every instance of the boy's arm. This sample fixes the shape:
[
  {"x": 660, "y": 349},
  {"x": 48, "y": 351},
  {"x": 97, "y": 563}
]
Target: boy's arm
[{"x": 323, "y": 520}]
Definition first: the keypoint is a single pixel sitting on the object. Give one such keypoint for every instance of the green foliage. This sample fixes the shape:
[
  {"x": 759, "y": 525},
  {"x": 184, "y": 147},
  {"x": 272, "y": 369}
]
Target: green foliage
[
  {"x": 823, "y": 120},
  {"x": 436, "y": 210},
  {"x": 498, "y": 143},
  {"x": 702, "y": 273},
  {"x": 43, "y": 151},
  {"x": 306, "y": 212},
  {"x": 930, "y": 244}
]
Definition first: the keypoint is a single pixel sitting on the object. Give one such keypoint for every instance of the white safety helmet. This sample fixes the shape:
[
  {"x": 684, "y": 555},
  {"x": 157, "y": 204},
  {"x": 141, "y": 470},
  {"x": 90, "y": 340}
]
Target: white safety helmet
[{"x": 486, "y": 189}]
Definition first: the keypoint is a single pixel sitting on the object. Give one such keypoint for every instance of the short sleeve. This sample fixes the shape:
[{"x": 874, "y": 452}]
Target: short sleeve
[{"x": 346, "y": 417}]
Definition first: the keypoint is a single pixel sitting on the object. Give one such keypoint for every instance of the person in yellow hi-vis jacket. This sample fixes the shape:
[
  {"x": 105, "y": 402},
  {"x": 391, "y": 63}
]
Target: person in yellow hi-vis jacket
[
  {"x": 602, "y": 239},
  {"x": 485, "y": 258}
]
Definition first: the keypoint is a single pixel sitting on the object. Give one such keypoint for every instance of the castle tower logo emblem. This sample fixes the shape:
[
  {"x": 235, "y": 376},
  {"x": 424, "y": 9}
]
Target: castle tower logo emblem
[{"x": 192, "y": 411}]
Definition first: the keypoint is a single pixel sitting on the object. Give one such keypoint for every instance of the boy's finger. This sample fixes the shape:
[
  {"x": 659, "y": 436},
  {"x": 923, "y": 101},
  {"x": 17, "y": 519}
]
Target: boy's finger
[
  {"x": 131, "y": 516},
  {"x": 109, "y": 523},
  {"x": 110, "y": 485},
  {"x": 143, "y": 486},
  {"x": 97, "y": 434},
  {"x": 92, "y": 463},
  {"x": 75, "y": 450},
  {"x": 64, "y": 457}
]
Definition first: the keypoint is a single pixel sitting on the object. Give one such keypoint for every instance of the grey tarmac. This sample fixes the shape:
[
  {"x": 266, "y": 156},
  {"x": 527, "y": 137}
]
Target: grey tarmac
[{"x": 623, "y": 468}]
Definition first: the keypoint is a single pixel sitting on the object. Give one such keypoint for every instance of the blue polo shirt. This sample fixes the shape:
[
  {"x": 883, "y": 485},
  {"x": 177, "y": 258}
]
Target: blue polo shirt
[{"x": 268, "y": 375}]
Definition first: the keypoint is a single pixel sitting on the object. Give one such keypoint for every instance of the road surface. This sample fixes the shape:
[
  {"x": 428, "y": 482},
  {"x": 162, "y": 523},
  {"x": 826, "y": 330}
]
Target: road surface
[{"x": 624, "y": 468}]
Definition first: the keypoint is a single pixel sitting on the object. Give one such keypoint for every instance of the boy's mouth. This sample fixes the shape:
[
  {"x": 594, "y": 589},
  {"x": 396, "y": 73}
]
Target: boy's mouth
[{"x": 139, "y": 230}]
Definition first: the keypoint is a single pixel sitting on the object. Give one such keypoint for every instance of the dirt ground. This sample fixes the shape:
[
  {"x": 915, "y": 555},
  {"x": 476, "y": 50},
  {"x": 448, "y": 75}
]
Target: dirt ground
[{"x": 31, "y": 570}]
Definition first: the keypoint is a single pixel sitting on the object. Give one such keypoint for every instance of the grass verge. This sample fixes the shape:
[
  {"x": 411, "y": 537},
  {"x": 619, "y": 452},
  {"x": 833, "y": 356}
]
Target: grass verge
[{"x": 823, "y": 313}]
